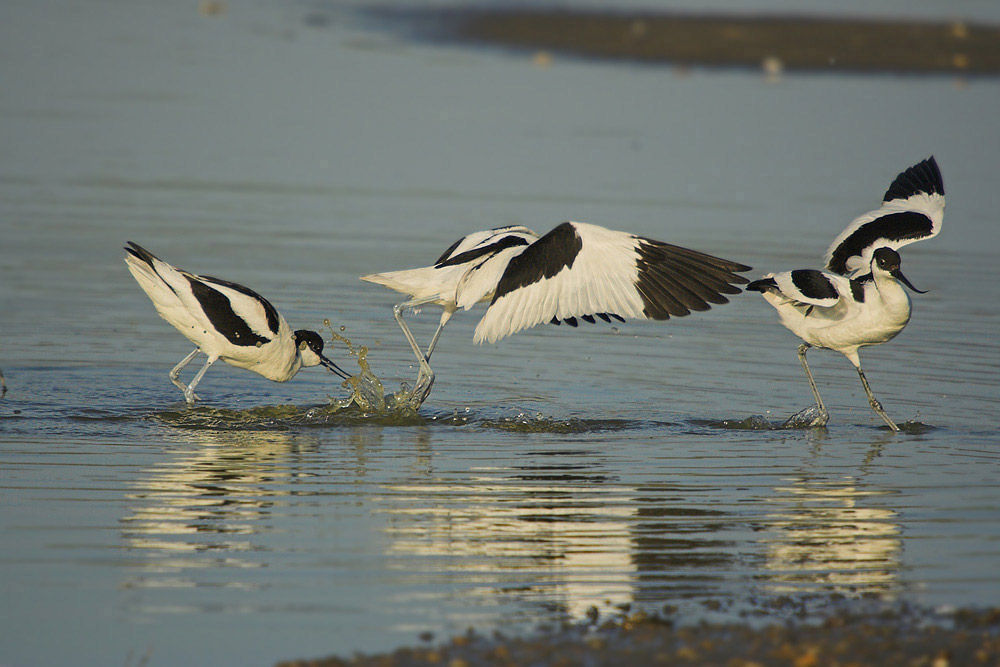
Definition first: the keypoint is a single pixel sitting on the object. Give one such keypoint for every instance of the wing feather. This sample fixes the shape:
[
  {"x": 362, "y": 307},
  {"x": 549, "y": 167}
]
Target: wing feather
[
  {"x": 912, "y": 210},
  {"x": 579, "y": 271}
]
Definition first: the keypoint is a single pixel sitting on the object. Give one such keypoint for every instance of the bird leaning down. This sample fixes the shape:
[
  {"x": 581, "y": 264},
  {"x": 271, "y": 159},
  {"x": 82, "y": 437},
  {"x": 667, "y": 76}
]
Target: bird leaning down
[
  {"x": 859, "y": 299},
  {"x": 575, "y": 272},
  {"x": 226, "y": 321}
]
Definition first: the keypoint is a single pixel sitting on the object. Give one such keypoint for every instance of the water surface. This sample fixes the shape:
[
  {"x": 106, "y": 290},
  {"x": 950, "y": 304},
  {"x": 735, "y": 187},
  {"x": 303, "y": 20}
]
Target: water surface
[{"x": 555, "y": 471}]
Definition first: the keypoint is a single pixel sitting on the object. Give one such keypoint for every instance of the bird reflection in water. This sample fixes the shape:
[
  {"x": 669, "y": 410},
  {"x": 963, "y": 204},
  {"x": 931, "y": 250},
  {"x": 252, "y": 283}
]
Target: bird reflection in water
[
  {"x": 202, "y": 509},
  {"x": 833, "y": 535},
  {"x": 531, "y": 535}
]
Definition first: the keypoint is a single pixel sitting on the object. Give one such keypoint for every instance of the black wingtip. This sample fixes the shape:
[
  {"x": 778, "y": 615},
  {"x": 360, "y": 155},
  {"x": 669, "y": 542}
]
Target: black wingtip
[{"x": 923, "y": 177}]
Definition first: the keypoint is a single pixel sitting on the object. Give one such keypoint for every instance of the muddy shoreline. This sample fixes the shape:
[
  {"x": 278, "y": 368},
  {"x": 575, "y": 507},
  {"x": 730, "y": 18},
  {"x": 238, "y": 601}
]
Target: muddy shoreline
[
  {"x": 899, "y": 636},
  {"x": 711, "y": 40}
]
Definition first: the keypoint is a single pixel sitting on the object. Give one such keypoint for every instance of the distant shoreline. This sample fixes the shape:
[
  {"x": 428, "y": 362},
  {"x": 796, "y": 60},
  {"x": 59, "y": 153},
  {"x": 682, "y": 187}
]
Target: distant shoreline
[{"x": 717, "y": 40}]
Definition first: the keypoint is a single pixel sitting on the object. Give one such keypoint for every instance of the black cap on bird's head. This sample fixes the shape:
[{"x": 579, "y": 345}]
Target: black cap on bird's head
[
  {"x": 888, "y": 260},
  {"x": 310, "y": 346}
]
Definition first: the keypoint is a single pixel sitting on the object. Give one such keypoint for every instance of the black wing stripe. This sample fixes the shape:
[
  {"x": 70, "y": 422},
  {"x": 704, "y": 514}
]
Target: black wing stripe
[
  {"x": 450, "y": 250},
  {"x": 270, "y": 312},
  {"x": 542, "y": 259},
  {"x": 858, "y": 289},
  {"x": 894, "y": 227},
  {"x": 813, "y": 284},
  {"x": 476, "y": 253},
  {"x": 220, "y": 313}
]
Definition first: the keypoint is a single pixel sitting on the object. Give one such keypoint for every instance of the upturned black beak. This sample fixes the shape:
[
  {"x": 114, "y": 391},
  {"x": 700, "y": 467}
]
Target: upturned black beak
[
  {"x": 333, "y": 368},
  {"x": 898, "y": 275}
]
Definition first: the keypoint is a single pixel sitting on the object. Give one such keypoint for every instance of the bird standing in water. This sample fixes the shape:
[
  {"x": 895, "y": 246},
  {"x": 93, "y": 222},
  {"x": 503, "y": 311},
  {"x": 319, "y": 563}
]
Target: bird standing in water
[
  {"x": 226, "y": 321},
  {"x": 843, "y": 308}
]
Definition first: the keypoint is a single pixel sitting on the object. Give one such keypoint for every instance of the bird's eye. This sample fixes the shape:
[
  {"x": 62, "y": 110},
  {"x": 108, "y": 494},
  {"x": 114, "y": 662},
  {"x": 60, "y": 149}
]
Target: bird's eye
[{"x": 303, "y": 345}]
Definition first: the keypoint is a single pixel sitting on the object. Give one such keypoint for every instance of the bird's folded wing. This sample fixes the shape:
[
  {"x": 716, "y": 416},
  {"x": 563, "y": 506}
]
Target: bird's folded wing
[
  {"x": 237, "y": 312},
  {"x": 812, "y": 287}
]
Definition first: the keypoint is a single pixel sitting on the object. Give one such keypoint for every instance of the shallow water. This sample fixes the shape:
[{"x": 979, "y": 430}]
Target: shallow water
[{"x": 555, "y": 471}]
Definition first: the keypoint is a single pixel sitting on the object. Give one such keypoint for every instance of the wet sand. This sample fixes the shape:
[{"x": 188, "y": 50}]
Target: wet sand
[
  {"x": 902, "y": 637},
  {"x": 782, "y": 42}
]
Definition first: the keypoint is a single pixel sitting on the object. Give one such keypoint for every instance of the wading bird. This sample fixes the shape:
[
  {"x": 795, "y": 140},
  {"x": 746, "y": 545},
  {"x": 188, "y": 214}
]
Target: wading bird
[
  {"x": 844, "y": 309},
  {"x": 575, "y": 271},
  {"x": 226, "y": 321}
]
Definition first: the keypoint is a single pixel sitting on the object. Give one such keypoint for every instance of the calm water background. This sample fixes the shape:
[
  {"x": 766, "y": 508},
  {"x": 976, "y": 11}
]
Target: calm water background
[{"x": 285, "y": 147}]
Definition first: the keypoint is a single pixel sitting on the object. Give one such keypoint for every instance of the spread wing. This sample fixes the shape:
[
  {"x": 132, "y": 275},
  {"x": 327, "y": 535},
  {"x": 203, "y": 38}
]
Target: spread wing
[
  {"x": 912, "y": 210},
  {"x": 582, "y": 271}
]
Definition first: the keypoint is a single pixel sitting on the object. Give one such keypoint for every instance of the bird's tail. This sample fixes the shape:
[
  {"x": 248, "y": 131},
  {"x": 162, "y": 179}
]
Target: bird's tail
[
  {"x": 141, "y": 263},
  {"x": 418, "y": 283},
  {"x": 761, "y": 285},
  {"x": 152, "y": 273}
]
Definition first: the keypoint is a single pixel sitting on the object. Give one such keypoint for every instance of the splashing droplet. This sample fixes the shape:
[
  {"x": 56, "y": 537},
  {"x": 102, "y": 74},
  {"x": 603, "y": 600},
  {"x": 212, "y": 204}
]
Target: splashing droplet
[{"x": 367, "y": 391}]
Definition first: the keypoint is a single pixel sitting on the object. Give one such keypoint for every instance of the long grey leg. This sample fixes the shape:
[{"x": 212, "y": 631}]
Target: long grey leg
[
  {"x": 189, "y": 395},
  {"x": 397, "y": 312},
  {"x": 811, "y": 416},
  {"x": 176, "y": 372},
  {"x": 445, "y": 316},
  {"x": 812, "y": 383},
  {"x": 873, "y": 402},
  {"x": 425, "y": 376}
]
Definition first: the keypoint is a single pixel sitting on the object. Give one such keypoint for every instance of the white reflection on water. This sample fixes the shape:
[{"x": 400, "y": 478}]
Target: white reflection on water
[
  {"x": 574, "y": 549},
  {"x": 201, "y": 509},
  {"x": 827, "y": 536}
]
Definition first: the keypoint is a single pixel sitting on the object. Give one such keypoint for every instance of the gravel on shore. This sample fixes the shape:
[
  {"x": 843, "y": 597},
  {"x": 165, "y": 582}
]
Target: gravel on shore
[{"x": 899, "y": 637}]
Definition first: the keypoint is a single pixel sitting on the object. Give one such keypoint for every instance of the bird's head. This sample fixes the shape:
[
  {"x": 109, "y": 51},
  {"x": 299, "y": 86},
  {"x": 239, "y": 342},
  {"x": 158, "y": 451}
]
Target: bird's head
[
  {"x": 310, "y": 348},
  {"x": 886, "y": 261}
]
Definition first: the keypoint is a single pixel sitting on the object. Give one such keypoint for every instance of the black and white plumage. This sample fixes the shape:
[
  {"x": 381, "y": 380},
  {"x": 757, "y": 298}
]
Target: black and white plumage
[
  {"x": 859, "y": 300},
  {"x": 912, "y": 210},
  {"x": 576, "y": 271},
  {"x": 226, "y": 321}
]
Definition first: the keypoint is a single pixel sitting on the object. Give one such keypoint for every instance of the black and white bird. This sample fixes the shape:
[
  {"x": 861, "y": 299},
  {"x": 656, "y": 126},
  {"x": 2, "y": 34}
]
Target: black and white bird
[
  {"x": 575, "y": 271},
  {"x": 226, "y": 321},
  {"x": 859, "y": 299}
]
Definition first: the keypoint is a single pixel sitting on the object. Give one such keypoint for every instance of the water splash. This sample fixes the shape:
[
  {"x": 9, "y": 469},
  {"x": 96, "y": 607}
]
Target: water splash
[
  {"x": 368, "y": 394},
  {"x": 810, "y": 417},
  {"x": 521, "y": 422},
  {"x": 751, "y": 423}
]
